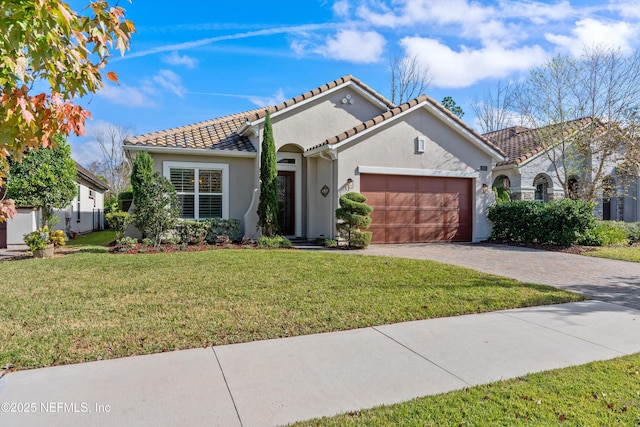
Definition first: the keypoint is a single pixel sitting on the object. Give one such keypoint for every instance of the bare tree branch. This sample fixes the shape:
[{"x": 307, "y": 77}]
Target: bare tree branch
[
  {"x": 113, "y": 165},
  {"x": 409, "y": 78}
]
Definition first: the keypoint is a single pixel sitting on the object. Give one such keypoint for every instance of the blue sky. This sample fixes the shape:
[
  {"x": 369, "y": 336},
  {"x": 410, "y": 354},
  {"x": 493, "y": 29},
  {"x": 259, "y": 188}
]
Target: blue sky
[{"x": 196, "y": 60}]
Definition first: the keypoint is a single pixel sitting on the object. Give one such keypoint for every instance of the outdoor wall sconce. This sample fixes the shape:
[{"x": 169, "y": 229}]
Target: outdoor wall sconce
[
  {"x": 324, "y": 191},
  {"x": 485, "y": 188},
  {"x": 349, "y": 183}
]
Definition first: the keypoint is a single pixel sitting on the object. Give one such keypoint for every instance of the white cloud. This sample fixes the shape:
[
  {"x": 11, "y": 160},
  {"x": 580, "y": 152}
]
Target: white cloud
[
  {"x": 341, "y": 8},
  {"x": 626, "y": 8},
  {"x": 126, "y": 95},
  {"x": 360, "y": 47},
  {"x": 85, "y": 150},
  {"x": 589, "y": 32},
  {"x": 458, "y": 69},
  {"x": 262, "y": 101},
  {"x": 176, "y": 59},
  {"x": 170, "y": 81}
]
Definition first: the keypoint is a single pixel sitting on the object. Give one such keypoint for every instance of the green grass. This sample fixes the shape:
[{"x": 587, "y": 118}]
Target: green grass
[
  {"x": 623, "y": 253},
  {"x": 97, "y": 238},
  {"x": 90, "y": 306},
  {"x": 605, "y": 393}
]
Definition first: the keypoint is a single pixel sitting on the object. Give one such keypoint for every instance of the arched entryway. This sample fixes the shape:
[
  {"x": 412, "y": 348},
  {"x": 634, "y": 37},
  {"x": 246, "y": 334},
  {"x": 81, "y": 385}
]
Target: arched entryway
[{"x": 541, "y": 184}]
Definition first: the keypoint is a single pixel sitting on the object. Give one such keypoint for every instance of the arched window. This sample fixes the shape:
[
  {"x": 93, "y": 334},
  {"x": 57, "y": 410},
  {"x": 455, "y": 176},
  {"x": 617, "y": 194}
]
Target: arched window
[
  {"x": 541, "y": 184},
  {"x": 502, "y": 182}
]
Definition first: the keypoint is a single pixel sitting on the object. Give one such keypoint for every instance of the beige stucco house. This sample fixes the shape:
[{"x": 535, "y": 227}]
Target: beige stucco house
[
  {"x": 424, "y": 171},
  {"x": 530, "y": 174}
]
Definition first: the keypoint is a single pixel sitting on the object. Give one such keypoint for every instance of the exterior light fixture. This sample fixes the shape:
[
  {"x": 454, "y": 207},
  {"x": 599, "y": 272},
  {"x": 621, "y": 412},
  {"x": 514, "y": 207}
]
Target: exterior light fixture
[
  {"x": 349, "y": 183},
  {"x": 485, "y": 188}
]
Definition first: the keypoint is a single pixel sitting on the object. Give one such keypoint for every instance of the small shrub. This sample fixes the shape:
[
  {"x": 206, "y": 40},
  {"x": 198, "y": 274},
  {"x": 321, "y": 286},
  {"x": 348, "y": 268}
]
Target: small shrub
[
  {"x": 193, "y": 232},
  {"x": 559, "y": 222},
  {"x": 633, "y": 232},
  {"x": 354, "y": 214},
  {"x": 247, "y": 241},
  {"x": 118, "y": 221},
  {"x": 360, "y": 239},
  {"x": 274, "y": 242},
  {"x": 605, "y": 233},
  {"x": 330, "y": 243},
  {"x": 222, "y": 227},
  {"x": 222, "y": 240},
  {"x": 127, "y": 241},
  {"x": 147, "y": 241},
  {"x": 173, "y": 240}
]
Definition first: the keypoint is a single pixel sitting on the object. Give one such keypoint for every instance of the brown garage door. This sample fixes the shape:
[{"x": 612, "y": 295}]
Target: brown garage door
[{"x": 418, "y": 209}]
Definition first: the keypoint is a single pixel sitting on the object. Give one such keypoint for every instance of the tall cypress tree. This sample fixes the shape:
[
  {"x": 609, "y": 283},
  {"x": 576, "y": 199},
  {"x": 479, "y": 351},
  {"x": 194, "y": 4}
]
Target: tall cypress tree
[{"x": 268, "y": 204}]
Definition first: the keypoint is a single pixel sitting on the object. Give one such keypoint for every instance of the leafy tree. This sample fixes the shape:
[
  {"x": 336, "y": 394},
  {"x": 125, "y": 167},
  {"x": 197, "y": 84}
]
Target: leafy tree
[
  {"x": 157, "y": 208},
  {"x": 408, "y": 78},
  {"x": 45, "y": 178},
  {"x": 47, "y": 43},
  {"x": 268, "y": 204},
  {"x": 451, "y": 105},
  {"x": 353, "y": 214},
  {"x": 113, "y": 165}
]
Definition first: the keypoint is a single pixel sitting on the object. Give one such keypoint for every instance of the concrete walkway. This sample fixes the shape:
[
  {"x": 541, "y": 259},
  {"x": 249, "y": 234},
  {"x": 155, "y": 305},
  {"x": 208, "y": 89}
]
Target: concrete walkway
[
  {"x": 279, "y": 381},
  {"x": 601, "y": 279}
]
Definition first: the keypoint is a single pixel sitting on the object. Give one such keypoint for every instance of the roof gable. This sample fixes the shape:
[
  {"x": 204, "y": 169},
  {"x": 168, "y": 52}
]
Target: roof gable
[
  {"x": 423, "y": 101},
  {"x": 230, "y": 132}
]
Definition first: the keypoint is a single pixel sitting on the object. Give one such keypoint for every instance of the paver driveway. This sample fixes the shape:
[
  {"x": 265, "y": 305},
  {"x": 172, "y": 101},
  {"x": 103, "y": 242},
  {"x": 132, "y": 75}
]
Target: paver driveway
[{"x": 601, "y": 279}]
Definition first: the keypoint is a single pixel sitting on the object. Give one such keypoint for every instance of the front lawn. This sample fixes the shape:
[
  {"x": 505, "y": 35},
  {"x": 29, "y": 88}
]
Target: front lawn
[
  {"x": 623, "y": 253},
  {"x": 97, "y": 238},
  {"x": 605, "y": 393},
  {"x": 91, "y": 306}
]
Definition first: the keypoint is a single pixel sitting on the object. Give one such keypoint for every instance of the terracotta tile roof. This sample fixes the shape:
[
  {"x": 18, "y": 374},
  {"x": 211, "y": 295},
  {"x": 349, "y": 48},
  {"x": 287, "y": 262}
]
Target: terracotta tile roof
[
  {"x": 521, "y": 143},
  {"x": 400, "y": 109},
  {"x": 215, "y": 134},
  {"x": 221, "y": 133}
]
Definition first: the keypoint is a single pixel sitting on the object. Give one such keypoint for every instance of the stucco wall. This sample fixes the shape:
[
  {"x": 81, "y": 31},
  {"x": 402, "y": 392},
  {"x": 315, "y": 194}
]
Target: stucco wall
[
  {"x": 394, "y": 146},
  {"x": 241, "y": 177},
  {"x": 324, "y": 118}
]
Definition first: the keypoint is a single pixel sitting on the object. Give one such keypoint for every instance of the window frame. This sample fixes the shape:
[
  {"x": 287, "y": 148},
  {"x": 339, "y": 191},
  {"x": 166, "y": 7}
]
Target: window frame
[{"x": 197, "y": 166}]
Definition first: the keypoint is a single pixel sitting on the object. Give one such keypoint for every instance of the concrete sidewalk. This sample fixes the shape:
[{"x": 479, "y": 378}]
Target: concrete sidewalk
[{"x": 279, "y": 381}]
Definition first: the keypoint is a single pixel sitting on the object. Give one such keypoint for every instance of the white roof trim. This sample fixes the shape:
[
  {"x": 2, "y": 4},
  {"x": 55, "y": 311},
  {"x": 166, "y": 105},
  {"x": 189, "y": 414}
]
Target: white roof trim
[
  {"x": 198, "y": 151},
  {"x": 418, "y": 172},
  {"x": 461, "y": 130}
]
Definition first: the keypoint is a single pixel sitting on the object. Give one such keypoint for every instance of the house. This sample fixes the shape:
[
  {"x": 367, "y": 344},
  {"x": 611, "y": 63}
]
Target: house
[
  {"x": 424, "y": 171},
  {"x": 529, "y": 172},
  {"x": 84, "y": 214}
]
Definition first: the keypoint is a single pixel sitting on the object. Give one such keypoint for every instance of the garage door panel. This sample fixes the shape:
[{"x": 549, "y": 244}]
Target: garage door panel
[
  {"x": 419, "y": 209},
  {"x": 400, "y": 199},
  {"x": 430, "y": 200},
  {"x": 400, "y": 217},
  {"x": 372, "y": 183},
  {"x": 376, "y": 199},
  {"x": 400, "y": 234},
  {"x": 378, "y": 216},
  {"x": 400, "y": 183},
  {"x": 430, "y": 216}
]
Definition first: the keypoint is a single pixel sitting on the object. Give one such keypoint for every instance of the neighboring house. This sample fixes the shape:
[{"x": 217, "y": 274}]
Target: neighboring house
[
  {"x": 424, "y": 171},
  {"x": 529, "y": 173},
  {"x": 84, "y": 214}
]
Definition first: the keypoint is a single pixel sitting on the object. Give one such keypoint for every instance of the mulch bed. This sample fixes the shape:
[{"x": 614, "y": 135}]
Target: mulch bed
[
  {"x": 574, "y": 249},
  {"x": 141, "y": 248}
]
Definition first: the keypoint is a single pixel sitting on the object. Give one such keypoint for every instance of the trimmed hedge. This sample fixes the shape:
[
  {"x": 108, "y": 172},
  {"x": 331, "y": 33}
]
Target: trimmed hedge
[
  {"x": 194, "y": 232},
  {"x": 559, "y": 222}
]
